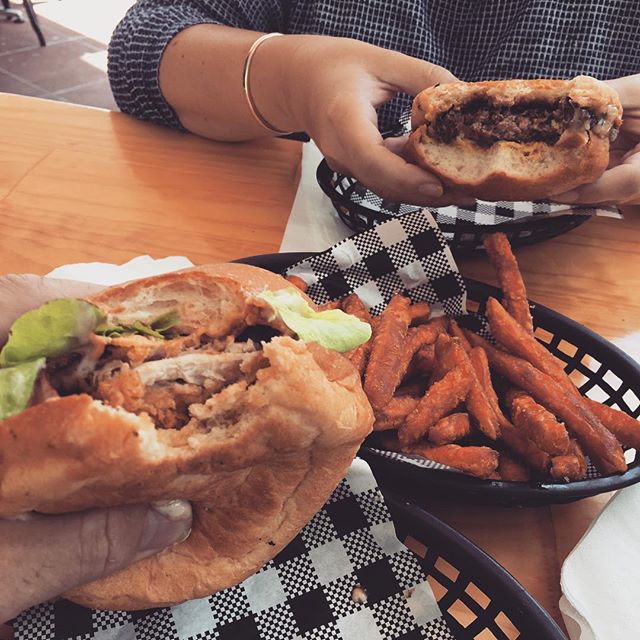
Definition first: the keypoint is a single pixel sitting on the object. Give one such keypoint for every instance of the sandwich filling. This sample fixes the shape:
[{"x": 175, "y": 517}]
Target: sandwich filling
[
  {"x": 178, "y": 378},
  {"x": 524, "y": 122}
]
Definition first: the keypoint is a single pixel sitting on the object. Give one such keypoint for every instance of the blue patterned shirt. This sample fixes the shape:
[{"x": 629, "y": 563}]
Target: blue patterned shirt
[{"x": 474, "y": 39}]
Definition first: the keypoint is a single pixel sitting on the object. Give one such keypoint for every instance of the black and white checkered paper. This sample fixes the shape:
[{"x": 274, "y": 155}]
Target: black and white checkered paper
[
  {"x": 304, "y": 593},
  {"x": 407, "y": 254}
]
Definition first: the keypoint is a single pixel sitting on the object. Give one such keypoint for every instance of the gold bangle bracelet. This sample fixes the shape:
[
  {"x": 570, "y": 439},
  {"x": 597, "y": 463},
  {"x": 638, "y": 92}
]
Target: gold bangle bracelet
[{"x": 247, "y": 91}]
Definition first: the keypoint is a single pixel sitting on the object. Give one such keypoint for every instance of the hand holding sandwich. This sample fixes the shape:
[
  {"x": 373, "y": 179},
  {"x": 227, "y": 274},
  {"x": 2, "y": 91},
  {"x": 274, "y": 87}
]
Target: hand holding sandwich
[
  {"x": 620, "y": 183},
  {"x": 327, "y": 87},
  {"x": 220, "y": 385},
  {"x": 44, "y": 556}
]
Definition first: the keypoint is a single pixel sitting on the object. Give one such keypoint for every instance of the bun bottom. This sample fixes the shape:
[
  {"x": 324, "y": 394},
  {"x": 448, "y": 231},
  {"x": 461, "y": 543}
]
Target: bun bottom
[{"x": 509, "y": 170}]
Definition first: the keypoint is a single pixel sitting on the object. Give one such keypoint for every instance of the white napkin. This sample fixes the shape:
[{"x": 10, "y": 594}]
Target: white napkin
[
  {"x": 313, "y": 223},
  {"x": 600, "y": 579},
  {"x": 111, "y": 274}
]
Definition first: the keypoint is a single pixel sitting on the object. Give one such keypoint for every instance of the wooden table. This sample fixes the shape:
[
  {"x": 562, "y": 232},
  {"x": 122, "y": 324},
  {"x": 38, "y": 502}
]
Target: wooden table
[{"x": 80, "y": 184}]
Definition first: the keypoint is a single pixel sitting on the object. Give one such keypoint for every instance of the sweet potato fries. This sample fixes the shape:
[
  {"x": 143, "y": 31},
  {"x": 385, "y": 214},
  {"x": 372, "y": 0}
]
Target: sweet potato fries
[{"x": 502, "y": 412}]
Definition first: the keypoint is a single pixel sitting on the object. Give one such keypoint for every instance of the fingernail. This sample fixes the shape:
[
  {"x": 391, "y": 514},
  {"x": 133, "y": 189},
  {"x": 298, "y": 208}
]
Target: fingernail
[
  {"x": 569, "y": 196},
  {"x": 166, "y": 523},
  {"x": 173, "y": 509},
  {"x": 430, "y": 190}
]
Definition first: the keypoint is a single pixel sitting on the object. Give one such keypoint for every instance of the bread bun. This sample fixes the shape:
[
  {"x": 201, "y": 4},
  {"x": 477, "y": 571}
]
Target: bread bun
[
  {"x": 256, "y": 468},
  {"x": 515, "y": 139}
]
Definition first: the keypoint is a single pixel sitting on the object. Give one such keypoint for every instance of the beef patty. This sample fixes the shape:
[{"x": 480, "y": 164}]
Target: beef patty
[{"x": 523, "y": 122}]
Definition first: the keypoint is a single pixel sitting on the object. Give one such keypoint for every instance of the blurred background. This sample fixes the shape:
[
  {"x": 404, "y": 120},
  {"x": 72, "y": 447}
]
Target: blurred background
[{"x": 72, "y": 66}]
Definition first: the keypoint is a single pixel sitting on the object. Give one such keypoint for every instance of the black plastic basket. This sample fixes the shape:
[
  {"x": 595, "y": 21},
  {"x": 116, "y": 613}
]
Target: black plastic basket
[
  {"x": 464, "y": 238},
  {"x": 477, "y": 596},
  {"x": 602, "y": 365}
]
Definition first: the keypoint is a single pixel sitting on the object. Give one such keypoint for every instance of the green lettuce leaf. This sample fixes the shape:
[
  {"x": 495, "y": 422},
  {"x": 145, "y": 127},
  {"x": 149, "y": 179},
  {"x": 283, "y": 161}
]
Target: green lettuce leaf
[
  {"x": 156, "y": 328},
  {"x": 333, "y": 329},
  {"x": 57, "y": 327},
  {"x": 166, "y": 321},
  {"x": 16, "y": 386}
]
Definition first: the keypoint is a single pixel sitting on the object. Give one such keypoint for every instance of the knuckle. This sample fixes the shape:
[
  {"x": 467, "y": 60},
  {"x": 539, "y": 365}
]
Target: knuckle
[
  {"x": 334, "y": 111},
  {"x": 94, "y": 549},
  {"x": 382, "y": 190},
  {"x": 338, "y": 167}
]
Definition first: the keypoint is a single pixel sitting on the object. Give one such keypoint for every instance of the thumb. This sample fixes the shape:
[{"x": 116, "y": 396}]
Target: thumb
[
  {"x": 19, "y": 293},
  {"x": 411, "y": 75},
  {"x": 44, "y": 556}
]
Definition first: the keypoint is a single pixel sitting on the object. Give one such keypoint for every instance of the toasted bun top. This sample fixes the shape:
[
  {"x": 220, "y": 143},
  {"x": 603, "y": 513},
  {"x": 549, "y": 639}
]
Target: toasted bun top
[
  {"x": 585, "y": 91},
  {"x": 257, "y": 466},
  {"x": 215, "y": 298}
]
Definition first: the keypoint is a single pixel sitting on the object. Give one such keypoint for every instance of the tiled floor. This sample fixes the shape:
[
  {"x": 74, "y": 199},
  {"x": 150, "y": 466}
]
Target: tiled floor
[{"x": 72, "y": 67}]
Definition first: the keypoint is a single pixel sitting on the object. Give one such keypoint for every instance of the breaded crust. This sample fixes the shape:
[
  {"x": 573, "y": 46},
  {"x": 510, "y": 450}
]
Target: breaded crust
[
  {"x": 509, "y": 170},
  {"x": 256, "y": 474}
]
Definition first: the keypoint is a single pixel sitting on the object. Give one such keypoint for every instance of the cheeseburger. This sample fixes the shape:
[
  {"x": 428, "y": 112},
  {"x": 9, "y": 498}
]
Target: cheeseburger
[
  {"x": 515, "y": 139},
  {"x": 221, "y": 385}
]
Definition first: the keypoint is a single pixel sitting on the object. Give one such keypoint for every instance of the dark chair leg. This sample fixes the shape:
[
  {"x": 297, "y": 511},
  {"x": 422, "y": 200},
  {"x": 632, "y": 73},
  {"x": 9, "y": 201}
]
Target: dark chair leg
[
  {"x": 33, "y": 19},
  {"x": 5, "y": 4}
]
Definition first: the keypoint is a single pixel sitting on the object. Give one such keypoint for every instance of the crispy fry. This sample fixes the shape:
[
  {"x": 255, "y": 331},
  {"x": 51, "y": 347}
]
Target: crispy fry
[
  {"x": 393, "y": 416},
  {"x": 513, "y": 290},
  {"x": 441, "y": 399},
  {"x": 456, "y": 332},
  {"x": 525, "y": 449},
  {"x": 565, "y": 468},
  {"x": 511, "y": 470},
  {"x": 417, "y": 337},
  {"x": 419, "y": 312},
  {"x": 383, "y": 374},
  {"x": 477, "y": 461},
  {"x": 450, "y": 429},
  {"x": 416, "y": 388},
  {"x": 537, "y": 423},
  {"x": 523, "y": 344},
  {"x": 360, "y": 356},
  {"x": 572, "y": 466},
  {"x": 298, "y": 283},
  {"x": 480, "y": 365},
  {"x": 428, "y": 332},
  {"x": 424, "y": 361},
  {"x": 450, "y": 354},
  {"x": 576, "y": 450},
  {"x": 602, "y": 447},
  {"x": 625, "y": 428},
  {"x": 516, "y": 441},
  {"x": 355, "y": 307}
]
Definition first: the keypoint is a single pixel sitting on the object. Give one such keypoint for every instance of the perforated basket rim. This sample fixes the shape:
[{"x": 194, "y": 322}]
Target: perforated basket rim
[
  {"x": 399, "y": 474},
  {"x": 530, "y": 618},
  {"x": 555, "y": 225}
]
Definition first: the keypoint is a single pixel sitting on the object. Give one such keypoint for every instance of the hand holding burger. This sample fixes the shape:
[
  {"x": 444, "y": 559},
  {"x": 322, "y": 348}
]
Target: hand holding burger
[
  {"x": 44, "y": 555},
  {"x": 220, "y": 385},
  {"x": 620, "y": 183}
]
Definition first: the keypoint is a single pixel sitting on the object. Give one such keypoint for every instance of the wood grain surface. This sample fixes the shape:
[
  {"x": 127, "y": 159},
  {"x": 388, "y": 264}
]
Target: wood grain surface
[{"x": 79, "y": 184}]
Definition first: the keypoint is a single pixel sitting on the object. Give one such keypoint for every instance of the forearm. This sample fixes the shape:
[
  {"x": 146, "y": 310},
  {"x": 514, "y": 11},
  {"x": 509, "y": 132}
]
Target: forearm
[{"x": 201, "y": 78}]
